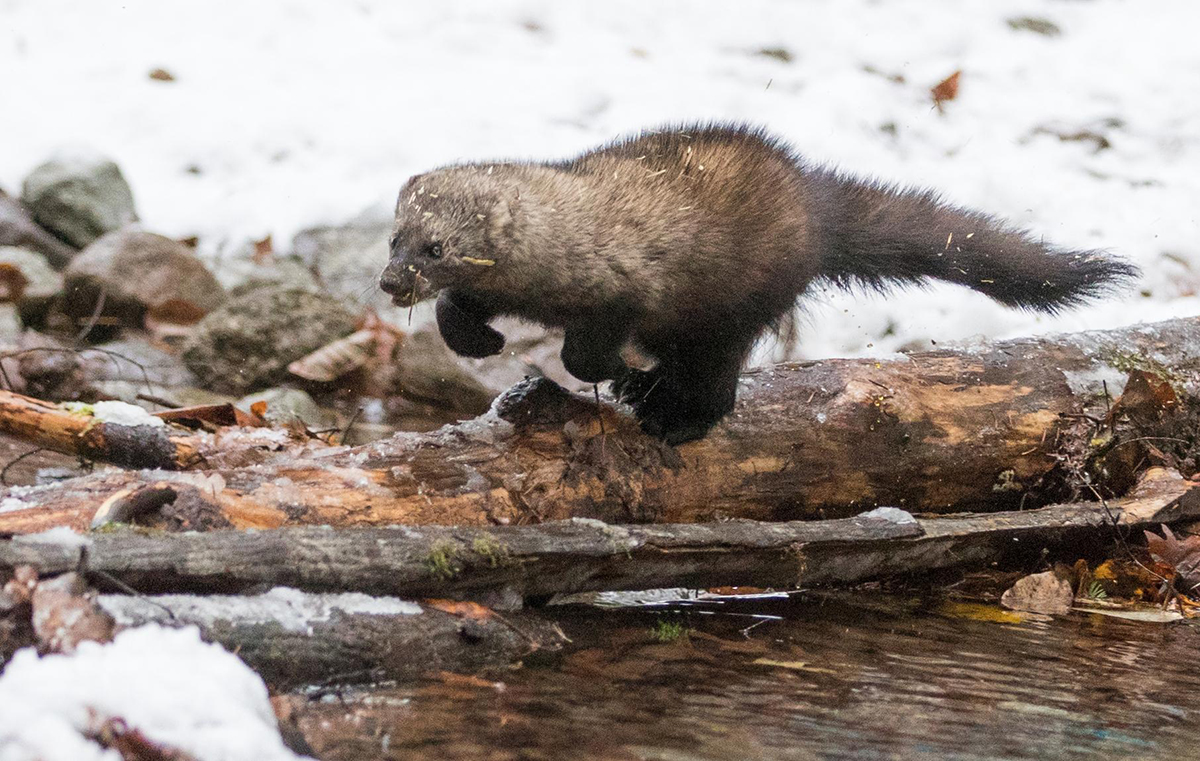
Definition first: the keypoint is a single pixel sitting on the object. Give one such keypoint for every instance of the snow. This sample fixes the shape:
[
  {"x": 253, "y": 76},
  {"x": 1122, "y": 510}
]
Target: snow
[
  {"x": 889, "y": 514},
  {"x": 167, "y": 683},
  {"x": 290, "y": 113},
  {"x": 9, "y": 504},
  {"x": 290, "y": 608},
  {"x": 62, "y": 536}
]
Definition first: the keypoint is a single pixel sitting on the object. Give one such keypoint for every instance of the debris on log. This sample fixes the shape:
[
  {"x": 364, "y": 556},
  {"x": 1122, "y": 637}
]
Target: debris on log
[{"x": 1006, "y": 425}]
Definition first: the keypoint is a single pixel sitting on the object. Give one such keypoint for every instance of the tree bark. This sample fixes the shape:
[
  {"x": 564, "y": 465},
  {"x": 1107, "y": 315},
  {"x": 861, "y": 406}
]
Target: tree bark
[
  {"x": 587, "y": 555},
  {"x": 1001, "y": 426},
  {"x": 302, "y": 647}
]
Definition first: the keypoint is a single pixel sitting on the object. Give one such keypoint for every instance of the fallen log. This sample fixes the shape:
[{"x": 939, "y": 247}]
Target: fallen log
[
  {"x": 1000, "y": 426},
  {"x": 295, "y": 639},
  {"x": 587, "y": 555}
]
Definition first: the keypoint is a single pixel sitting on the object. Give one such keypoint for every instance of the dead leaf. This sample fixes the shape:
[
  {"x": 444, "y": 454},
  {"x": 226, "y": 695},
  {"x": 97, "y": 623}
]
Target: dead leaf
[
  {"x": 465, "y": 680},
  {"x": 175, "y": 312},
  {"x": 12, "y": 283},
  {"x": 472, "y": 611},
  {"x": 1146, "y": 396},
  {"x": 1040, "y": 593},
  {"x": 65, "y": 613},
  {"x": 793, "y": 665},
  {"x": 336, "y": 359},
  {"x": 977, "y": 611},
  {"x": 264, "y": 250},
  {"x": 945, "y": 90},
  {"x": 162, "y": 75},
  {"x": 1183, "y": 555},
  {"x": 259, "y": 408}
]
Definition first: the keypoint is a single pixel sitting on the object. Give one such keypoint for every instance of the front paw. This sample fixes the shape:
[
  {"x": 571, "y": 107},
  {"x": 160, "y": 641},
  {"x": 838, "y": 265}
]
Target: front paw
[{"x": 466, "y": 331}]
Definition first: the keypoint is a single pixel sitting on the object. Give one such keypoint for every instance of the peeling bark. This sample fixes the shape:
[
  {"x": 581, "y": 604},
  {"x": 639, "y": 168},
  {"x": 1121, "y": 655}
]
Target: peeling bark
[{"x": 982, "y": 428}]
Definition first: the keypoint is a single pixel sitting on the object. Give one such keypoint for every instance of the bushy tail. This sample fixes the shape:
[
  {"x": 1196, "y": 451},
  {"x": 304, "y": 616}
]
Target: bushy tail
[{"x": 876, "y": 235}]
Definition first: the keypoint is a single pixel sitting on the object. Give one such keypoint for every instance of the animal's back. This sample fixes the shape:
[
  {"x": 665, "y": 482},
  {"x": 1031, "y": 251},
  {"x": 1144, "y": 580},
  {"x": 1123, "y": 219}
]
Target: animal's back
[{"x": 712, "y": 219}]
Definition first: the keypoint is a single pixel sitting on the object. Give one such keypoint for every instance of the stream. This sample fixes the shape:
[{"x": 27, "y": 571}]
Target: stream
[{"x": 804, "y": 676}]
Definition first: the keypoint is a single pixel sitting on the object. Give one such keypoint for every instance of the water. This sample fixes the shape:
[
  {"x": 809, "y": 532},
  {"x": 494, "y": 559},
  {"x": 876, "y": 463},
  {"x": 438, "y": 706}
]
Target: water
[{"x": 829, "y": 678}]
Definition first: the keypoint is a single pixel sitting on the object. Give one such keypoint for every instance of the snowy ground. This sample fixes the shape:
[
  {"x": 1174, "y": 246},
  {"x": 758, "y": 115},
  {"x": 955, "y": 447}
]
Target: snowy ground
[{"x": 288, "y": 113}]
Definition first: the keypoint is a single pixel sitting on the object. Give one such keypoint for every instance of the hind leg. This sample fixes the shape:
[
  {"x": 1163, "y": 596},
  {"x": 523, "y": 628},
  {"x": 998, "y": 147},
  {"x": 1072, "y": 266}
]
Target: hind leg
[{"x": 691, "y": 389}]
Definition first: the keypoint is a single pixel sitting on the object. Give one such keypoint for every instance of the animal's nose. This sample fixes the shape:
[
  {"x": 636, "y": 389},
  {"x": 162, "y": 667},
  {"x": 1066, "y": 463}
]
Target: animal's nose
[{"x": 392, "y": 280}]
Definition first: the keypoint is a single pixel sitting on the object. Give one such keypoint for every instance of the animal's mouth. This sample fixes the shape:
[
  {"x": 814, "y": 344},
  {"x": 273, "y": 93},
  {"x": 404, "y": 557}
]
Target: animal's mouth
[{"x": 406, "y": 285}]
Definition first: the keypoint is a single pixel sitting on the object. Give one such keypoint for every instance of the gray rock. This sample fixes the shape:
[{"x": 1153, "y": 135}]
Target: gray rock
[
  {"x": 139, "y": 271},
  {"x": 347, "y": 259},
  {"x": 135, "y": 360},
  {"x": 79, "y": 199},
  {"x": 248, "y": 342},
  {"x": 17, "y": 228},
  {"x": 285, "y": 405},
  {"x": 238, "y": 268},
  {"x": 428, "y": 373}
]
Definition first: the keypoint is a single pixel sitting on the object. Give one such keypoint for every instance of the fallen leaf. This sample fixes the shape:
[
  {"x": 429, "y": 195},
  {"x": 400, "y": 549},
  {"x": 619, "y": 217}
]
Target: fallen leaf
[
  {"x": 264, "y": 250},
  {"x": 1181, "y": 554},
  {"x": 65, "y": 614},
  {"x": 1040, "y": 593},
  {"x": 793, "y": 665},
  {"x": 945, "y": 90},
  {"x": 472, "y": 611},
  {"x": 336, "y": 359},
  {"x": 175, "y": 312},
  {"x": 465, "y": 680},
  {"x": 162, "y": 75},
  {"x": 1154, "y": 616},
  {"x": 12, "y": 283},
  {"x": 976, "y": 611}
]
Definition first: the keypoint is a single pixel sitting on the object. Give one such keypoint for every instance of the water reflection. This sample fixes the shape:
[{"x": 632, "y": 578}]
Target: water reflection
[{"x": 805, "y": 677}]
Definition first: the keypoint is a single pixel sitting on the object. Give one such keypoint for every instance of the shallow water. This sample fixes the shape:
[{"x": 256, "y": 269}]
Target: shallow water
[{"x": 798, "y": 678}]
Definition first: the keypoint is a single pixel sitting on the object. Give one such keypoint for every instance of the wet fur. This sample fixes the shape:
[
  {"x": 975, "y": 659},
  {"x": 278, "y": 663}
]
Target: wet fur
[{"x": 690, "y": 242}]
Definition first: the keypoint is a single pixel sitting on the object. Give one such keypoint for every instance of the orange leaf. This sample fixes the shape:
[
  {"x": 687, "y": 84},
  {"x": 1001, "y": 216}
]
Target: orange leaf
[
  {"x": 472, "y": 611},
  {"x": 263, "y": 250},
  {"x": 1181, "y": 554},
  {"x": 945, "y": 90},
  {"x": 12, "y": 283}
]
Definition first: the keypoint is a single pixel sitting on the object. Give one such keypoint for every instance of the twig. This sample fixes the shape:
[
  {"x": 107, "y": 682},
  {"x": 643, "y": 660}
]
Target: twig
[{"x": 15, "y": 460}]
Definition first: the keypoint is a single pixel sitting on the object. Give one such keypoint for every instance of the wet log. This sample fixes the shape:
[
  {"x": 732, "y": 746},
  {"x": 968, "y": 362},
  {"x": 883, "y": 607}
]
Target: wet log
[
  {"x": 294, "y": 639},
  {"x": 999, "y": 426},
  {"x": 581, "y": 555}
]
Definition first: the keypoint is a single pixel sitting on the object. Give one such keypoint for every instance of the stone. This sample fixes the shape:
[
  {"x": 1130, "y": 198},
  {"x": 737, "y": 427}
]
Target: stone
[
  {"x": 287, "y": 405},
  {"x": 1040, "y": 593},
  {"x": 17, "y": 228},
  {"x": 248, "y": 342},
  {"x": 137, "y": 272},
  {"x": 79, "y": 198},
  {"x": 347, "y": 259}
]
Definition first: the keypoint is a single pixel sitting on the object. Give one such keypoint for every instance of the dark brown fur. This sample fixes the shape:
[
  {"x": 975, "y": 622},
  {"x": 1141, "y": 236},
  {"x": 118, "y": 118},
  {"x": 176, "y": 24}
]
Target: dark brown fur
[{"x": 690, "y": 242}]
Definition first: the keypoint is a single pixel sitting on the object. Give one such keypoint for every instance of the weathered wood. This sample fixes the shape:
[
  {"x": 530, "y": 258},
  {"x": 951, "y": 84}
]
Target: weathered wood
[
  {"x": 53, "y": 427},
  {"x": 943, "y": 431},
  {"x": 342, "y": 644},
  {"x": 587, "y": 555}
]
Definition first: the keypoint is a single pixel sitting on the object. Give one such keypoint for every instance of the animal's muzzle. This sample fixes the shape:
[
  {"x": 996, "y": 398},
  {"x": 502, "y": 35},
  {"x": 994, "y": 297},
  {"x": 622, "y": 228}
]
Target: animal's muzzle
[{"x": 404, "y": 283}]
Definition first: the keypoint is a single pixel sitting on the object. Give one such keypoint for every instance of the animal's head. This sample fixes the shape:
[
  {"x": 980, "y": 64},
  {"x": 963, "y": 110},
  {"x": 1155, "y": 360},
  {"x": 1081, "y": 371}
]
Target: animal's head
[{"x": 450, "y": 232}]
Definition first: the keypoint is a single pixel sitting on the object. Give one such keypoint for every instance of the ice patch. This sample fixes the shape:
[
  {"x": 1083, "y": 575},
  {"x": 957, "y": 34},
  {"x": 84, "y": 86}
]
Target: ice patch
[{"x": 890, "y": 514}]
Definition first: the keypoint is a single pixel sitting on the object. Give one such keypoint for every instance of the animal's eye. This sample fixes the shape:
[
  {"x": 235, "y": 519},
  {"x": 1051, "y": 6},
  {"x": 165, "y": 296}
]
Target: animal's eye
[{"x": 434, "y": 251}]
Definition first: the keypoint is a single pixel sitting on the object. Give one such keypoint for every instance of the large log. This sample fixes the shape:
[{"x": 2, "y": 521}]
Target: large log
[
  {"x": 588, "y": 555},
  {"x": 999, "y": 426}
]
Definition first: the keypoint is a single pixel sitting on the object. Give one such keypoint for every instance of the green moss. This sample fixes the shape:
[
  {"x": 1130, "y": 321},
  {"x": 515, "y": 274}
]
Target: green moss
[
  {"x": 442, "y": 560},
  {"x": 79, "y": 408},
  {"x": 668, "y": 631},
  {"x": 1007, "y": 481},
  {"x": 491, "y": 549},
  {"x": 1127, "y": 362}
]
